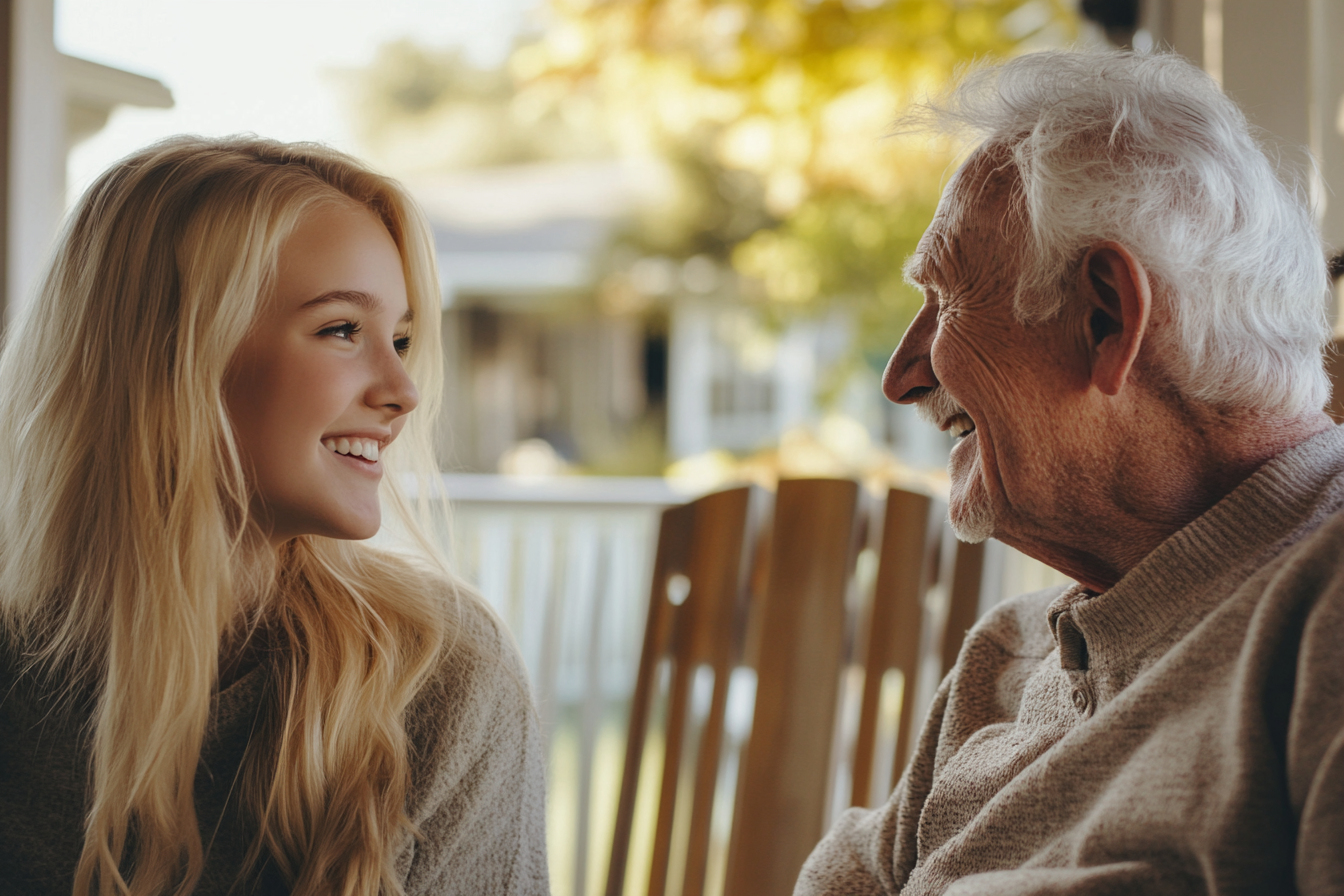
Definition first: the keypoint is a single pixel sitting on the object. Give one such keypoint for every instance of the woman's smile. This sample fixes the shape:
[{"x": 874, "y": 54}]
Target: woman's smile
[{"x": 364, "y": 449}]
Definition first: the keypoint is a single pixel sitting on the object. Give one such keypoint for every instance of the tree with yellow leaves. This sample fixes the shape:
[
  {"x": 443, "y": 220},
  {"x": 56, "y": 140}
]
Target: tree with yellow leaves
[{"x": 773, "y": 113}]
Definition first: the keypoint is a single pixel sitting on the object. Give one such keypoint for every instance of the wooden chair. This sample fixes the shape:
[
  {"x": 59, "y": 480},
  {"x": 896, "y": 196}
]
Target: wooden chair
[
  {"x": 797, "y": 627},
  {"x": 793, "y": 628}
]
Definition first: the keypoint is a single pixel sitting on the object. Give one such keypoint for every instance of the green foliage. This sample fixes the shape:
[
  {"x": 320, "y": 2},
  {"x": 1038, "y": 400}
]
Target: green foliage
[
  {"x": 842, "y": 248},
  {"x": 773, "y": 113}
]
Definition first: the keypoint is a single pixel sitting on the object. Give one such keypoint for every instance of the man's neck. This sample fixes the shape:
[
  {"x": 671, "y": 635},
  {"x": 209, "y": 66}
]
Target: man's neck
[{"x": 1152, "y": 481}]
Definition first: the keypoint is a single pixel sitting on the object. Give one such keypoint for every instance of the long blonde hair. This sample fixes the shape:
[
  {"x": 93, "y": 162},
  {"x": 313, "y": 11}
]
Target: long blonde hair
[{"x": 123, "y": 526}]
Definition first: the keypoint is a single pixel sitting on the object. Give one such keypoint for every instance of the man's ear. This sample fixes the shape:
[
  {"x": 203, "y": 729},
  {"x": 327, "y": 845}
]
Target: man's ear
[{"x": 1115, "y": 290}]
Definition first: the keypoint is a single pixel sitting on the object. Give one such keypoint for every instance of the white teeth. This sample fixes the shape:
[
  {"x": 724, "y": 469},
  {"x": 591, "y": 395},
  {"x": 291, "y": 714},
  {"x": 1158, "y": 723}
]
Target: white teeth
[
  {"x": 365, "y": 448},
  {"x": 960, "y": 426}
]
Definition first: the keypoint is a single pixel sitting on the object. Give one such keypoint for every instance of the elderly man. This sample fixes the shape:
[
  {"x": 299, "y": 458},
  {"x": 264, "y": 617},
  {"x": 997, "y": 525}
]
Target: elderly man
[{"x": 1123, "y": 323}]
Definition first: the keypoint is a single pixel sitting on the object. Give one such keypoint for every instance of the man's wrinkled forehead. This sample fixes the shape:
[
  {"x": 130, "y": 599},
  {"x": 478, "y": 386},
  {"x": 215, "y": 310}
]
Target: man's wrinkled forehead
[{"x": 969, "y": 229}]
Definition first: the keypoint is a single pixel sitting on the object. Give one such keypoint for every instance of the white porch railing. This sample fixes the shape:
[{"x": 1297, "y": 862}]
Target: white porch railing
[{"x": 566, "y": 562}]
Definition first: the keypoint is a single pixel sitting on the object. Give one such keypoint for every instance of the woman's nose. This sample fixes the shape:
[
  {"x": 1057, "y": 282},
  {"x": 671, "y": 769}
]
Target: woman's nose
[{"x": 393, "y": 387}]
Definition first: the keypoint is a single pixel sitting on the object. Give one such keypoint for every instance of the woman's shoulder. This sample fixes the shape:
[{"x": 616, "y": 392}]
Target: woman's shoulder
[
  {"x": 477, "y": 695},
  {"x": 479, "y": 662},
  {"x": 477, "y": 669},
  {"x": 477, "y": 791}
]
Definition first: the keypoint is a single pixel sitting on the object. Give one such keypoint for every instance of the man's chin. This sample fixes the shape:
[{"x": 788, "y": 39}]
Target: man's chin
[
  {"x": 969, "y": 511},
  {"x": 972, "y": 528}
]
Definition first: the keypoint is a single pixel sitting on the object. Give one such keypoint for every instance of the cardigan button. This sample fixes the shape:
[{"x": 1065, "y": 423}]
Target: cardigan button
[{"x": 1081, "y": 701}]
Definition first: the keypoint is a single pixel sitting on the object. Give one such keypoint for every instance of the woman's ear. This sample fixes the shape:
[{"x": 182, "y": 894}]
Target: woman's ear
[{"x": 1115, "y": 290}]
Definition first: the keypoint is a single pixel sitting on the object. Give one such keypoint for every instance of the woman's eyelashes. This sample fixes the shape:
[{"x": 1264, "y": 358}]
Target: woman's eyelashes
[
  {"x": 350, "y": 329},
  {"x": 346, "y": 330}
]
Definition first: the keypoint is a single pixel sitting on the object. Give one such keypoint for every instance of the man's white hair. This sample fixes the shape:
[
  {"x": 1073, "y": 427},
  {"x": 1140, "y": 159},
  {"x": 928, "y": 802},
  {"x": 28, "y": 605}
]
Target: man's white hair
[{"x": 1146, "y": 150}]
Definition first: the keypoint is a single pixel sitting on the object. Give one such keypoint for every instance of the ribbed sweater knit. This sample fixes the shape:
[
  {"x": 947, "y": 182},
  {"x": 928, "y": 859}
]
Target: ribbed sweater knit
[
  {"x": 477, "y": 791},
  {"x": 1181, "y": 733}
]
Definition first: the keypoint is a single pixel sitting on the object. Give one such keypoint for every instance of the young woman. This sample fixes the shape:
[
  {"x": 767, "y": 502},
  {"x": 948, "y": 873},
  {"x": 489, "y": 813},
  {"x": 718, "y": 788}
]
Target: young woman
[{"x": 207, "y": 685}]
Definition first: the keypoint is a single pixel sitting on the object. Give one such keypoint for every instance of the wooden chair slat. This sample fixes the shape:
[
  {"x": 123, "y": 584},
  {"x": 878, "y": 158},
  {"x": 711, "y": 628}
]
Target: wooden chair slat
[
  {"x": 706, "y": 778},
  {"x": 793, "y": 632},
  {"x": 893, "y": 627},
  {"x": 910, "y": 656},
  {"x": 674, "y": 737},
  {"x": 963, "y": 600},
  {"x": 785, "y": 773},
  {"x": 711, "y": 632},
  {"x": 674, "y": 536}
]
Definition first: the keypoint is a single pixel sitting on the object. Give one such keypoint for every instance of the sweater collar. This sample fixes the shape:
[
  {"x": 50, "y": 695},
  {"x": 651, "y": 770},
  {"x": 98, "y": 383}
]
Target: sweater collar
[{"x": 1177, "y": 584}]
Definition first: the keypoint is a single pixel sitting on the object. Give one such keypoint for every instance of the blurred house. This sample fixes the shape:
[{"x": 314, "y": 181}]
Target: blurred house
[
  {"x": 526, "y": 354},
  {"x": 618, "y": 372}
]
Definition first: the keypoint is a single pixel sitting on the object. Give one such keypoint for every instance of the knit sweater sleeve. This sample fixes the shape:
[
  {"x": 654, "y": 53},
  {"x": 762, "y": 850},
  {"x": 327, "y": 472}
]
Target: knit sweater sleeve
[
  {"x": 870, "y": 852},
  {"x": 1315, "y": 735},
  {"x": 1320, "y": 862},
  {"x": 478, "y": 788}
]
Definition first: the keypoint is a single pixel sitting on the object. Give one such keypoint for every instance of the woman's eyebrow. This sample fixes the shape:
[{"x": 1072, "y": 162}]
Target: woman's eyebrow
[{"x": 357, "y": 297}]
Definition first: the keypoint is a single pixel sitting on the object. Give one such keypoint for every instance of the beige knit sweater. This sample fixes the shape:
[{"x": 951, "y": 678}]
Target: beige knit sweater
[
  {"x": 477, "y": 792},
  {"x": 1180, "y": 733}
]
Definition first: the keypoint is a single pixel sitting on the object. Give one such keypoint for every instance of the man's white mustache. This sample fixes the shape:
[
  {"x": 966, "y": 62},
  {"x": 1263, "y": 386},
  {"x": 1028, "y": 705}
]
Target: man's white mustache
[{"x": 938, "y": 407}]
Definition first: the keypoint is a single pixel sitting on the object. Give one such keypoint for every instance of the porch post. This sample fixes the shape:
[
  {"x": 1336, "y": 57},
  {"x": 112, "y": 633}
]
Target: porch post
[{"x": 35, "y": 146}]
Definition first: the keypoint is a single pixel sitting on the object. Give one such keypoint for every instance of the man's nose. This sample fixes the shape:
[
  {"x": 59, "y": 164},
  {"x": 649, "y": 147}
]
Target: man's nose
[{"x": 909, "y": 374}]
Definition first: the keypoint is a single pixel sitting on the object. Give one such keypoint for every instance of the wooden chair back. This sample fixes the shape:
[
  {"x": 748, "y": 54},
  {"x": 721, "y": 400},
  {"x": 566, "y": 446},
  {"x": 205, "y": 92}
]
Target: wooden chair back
[
  {"x": 794, "y": 632},
  {"x": 698, "y": 588},
  {"x": 798, "y": 649}
]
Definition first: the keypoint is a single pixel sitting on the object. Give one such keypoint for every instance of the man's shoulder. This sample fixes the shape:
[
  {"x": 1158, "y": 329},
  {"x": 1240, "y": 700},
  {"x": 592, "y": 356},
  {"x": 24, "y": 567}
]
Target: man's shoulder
[
  {"x": 1321, "y": 538},
  {"x": 1305, "y": 581}
]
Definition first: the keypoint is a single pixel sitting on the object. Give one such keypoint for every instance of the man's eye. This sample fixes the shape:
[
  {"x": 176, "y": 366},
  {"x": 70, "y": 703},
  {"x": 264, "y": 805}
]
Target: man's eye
[
  {"x": 347, "y": 330},
  {"x": 402, "y": 344}
]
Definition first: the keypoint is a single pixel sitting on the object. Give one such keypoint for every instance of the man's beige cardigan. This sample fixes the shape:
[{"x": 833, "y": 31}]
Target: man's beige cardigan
[{"x": 1181, "y": 733}]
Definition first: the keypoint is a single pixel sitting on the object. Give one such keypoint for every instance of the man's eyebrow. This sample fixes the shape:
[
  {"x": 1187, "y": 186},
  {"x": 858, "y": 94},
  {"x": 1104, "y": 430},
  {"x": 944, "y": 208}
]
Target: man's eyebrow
[
  {"x": 357, "y": 297},
  {"x": 915, "y": 270}
]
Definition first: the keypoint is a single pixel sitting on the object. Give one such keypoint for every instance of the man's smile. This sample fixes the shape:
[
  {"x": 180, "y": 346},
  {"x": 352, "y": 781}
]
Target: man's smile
[{"x": 959, "y": 426}]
